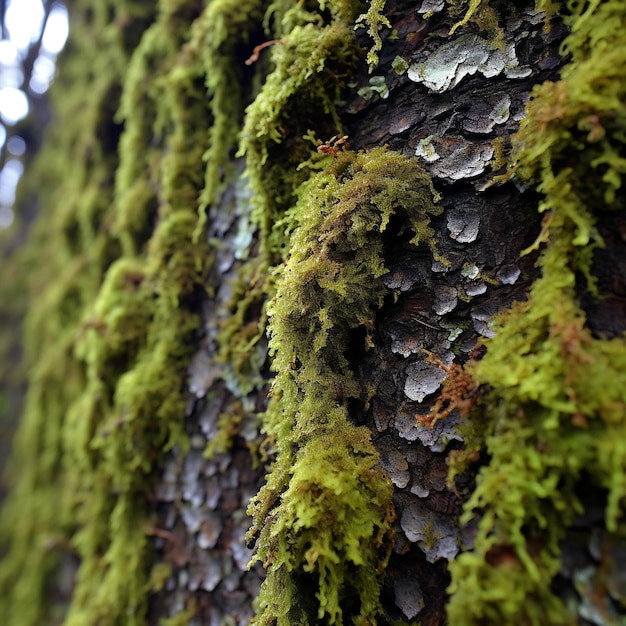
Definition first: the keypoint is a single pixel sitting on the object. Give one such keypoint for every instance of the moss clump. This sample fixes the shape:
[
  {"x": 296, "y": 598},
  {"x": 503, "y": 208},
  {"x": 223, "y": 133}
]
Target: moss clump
[
  {"x": 313, "y": 53},
  {"x": 310, "y": 63},
  {"x": 324, "y": 515},
  {"x": 554, "y": 415}
]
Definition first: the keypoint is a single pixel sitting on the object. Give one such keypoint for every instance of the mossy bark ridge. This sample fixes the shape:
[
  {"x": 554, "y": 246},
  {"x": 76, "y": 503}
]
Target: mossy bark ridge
[{"x": 554, "y": 417}]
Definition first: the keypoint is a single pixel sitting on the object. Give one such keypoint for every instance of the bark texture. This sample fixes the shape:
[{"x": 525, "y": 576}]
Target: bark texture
[{"x": 266, "y": 381}]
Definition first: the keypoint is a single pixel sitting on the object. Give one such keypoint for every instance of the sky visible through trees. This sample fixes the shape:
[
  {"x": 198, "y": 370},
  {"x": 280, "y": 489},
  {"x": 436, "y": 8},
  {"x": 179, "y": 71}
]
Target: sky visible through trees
[{"x": 33, "y": 34}]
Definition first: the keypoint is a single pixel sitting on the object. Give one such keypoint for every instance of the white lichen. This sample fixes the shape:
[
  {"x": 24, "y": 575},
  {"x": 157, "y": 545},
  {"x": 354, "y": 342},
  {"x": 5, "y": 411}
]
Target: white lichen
[
  {"x": 463, "y": 224},
  {"x": 423, "y": 378},
  {"x": 465, "y": 56},
  {"x": 437, "y": 537}
]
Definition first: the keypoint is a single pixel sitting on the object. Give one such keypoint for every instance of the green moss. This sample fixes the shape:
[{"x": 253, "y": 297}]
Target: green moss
[
  {"x": 140, "y": 345},
  {"x": 313, "y": 54},
  {"x": 65, "y": 263},
  {"x": 325, "y": 512},
  {"x": 310, "y": 63},
  {"x": 376, "y": 21},
  {"x": 225, "y": 26},
  {"x": 554, "y": 414},
  {"x": 302, "y": 73}
]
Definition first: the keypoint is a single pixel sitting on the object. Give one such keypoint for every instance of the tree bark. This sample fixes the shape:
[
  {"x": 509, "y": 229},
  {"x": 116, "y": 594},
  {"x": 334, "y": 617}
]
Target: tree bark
[{"x": 186, "y": 354}]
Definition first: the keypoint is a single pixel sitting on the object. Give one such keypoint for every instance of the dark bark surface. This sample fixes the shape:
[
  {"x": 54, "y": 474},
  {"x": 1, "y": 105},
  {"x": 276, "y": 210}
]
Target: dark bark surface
[{"x": 443, "y": 309}]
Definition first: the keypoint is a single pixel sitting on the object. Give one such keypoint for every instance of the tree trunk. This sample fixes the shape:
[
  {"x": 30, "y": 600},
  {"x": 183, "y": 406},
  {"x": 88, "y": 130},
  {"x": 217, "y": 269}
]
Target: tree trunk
[{"x": 266, "y": 383}]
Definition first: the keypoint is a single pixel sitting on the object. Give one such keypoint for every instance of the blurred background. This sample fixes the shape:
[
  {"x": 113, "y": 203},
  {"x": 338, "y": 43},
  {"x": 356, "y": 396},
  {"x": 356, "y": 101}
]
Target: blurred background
[{"x": 33, "y": 34}]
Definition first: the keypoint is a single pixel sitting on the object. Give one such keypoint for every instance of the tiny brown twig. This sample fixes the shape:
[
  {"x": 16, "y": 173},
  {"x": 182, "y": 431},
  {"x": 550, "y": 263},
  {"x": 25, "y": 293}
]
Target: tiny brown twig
[
  {"x": 333, "y": 145},
  {"x": 254, "y": 57}
]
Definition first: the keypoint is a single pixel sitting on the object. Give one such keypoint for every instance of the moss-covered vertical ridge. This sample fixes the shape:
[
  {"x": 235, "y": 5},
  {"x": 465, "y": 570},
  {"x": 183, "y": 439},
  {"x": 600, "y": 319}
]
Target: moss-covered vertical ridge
[
  {"x": 555, "y": 413},
  {"x": 223, "y": 30},
  {"x": 323, "y": 516},
  {"x": 313, "y": 50},
  {"x": 310, "y": 59},
  {"x": 145, "y": 314},
  {"x": 221, "y": 37},
  {"x": 65, "y": 262}
]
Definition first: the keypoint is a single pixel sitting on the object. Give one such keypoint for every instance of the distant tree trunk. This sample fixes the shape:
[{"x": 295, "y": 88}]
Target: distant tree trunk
[{"x": 232, "y": 201}]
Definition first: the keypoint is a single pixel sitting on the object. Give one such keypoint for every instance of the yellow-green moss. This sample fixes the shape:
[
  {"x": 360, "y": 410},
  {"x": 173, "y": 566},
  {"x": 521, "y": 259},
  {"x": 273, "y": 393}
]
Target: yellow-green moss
[
  {"x": 65, "y": 263},
  {"x": 556, "y": 407},
  {"x": 376, "y": 21},
  {"x": 303, "y": 72},
  {"x": 224, "y": 27},
  {"x": 313, "y": 54},
  {"x": 311, "y": 60},
  {"x": 326, "y": 510}
]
